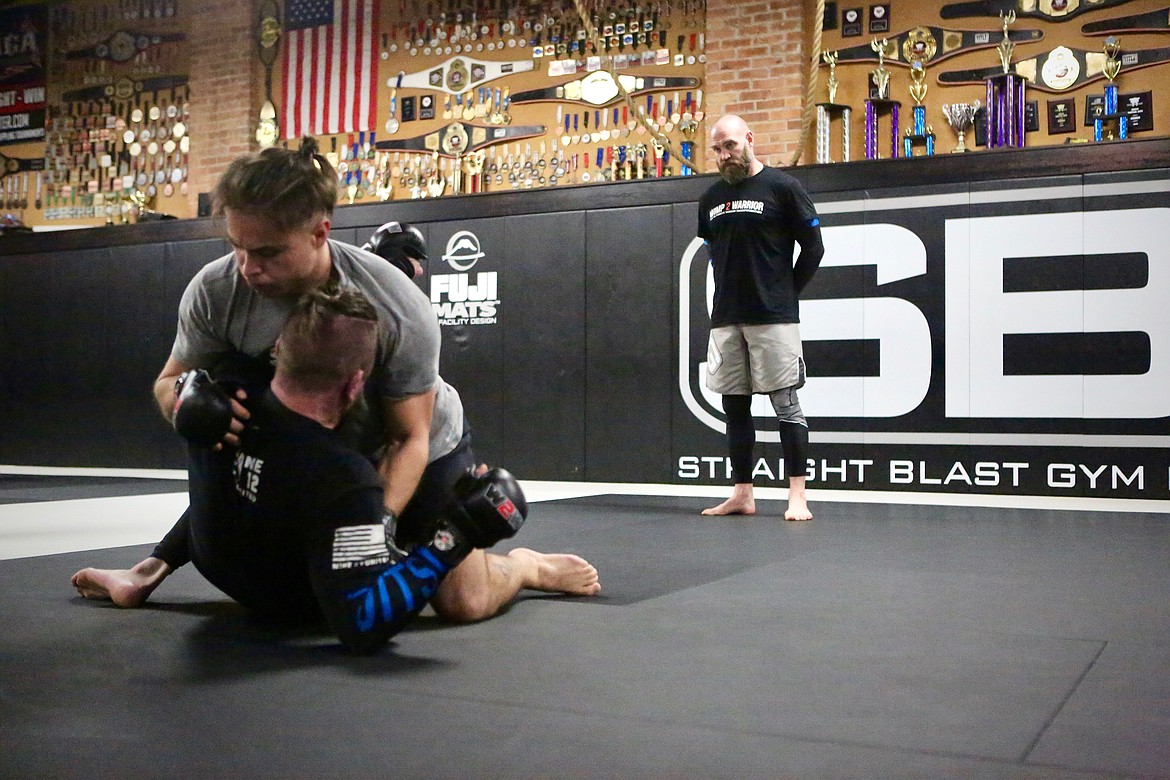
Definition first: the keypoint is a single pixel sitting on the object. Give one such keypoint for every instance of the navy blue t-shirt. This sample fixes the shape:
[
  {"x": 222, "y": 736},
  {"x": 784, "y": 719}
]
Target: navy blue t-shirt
[
  {"x": 291, "y": 524},
  {"x": 751, "y": 230}
]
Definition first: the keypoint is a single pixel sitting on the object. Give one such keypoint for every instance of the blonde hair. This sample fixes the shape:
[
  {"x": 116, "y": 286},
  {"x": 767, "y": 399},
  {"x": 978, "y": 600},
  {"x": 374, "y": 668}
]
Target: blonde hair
[{"x": 329, "y": 335}]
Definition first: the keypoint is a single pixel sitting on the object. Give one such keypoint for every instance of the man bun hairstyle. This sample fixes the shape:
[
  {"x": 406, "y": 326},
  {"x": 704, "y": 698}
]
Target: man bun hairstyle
[{"x": 289, "y": 187}]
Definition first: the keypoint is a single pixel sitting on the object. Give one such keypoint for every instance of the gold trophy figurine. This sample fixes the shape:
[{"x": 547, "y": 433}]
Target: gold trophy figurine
[
  {"x": 881, "y": 76},
  {"x": 1112, "y": 66},
  {"x": 918, "y": 85},
  {"x": 1006, "y": 46},
  {"x": 830, "y": 59},
  {"x": 826, "y": 112}
]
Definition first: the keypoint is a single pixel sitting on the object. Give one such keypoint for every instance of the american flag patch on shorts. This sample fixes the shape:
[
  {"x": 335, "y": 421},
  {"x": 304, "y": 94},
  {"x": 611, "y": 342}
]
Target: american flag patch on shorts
[{"x": 359, "y": 545}]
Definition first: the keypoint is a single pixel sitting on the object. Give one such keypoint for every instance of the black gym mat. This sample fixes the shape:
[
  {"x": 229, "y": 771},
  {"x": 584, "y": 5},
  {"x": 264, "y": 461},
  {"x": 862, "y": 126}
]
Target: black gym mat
[
  {"x": 875, "y": 641},
  {"x": 26, "y": 489}
]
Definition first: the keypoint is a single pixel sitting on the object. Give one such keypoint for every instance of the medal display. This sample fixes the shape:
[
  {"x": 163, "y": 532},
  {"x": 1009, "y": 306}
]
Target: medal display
[
  {"x": 115, "y": 147},
  {"x": 471, "y": 98}
]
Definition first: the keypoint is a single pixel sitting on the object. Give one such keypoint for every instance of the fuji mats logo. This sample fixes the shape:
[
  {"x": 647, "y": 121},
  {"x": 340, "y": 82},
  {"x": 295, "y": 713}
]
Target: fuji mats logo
[{"x": 464, "y": 298}]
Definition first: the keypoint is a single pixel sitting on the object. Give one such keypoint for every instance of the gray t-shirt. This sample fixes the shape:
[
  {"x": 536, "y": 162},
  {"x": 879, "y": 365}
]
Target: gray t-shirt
[{"x": 220, "y": 314}]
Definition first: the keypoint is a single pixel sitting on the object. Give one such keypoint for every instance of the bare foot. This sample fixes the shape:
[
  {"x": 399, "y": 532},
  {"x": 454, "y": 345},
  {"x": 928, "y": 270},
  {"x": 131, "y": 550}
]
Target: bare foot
[
  {"x": 124, "y": 587},
  {"x": 559, "y": 572},
  {"x": 116, "y": 585},
  {"x": 733, "y": 507},
  {"x": 797, "y": 509},
  {"x": 742, "y": 502},
  {"x": 797, "y": 501}
]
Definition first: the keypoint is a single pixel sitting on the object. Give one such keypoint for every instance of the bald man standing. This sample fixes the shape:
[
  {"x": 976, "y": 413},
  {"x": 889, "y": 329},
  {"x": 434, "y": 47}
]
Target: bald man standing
[{"x": 752, "y": 218}]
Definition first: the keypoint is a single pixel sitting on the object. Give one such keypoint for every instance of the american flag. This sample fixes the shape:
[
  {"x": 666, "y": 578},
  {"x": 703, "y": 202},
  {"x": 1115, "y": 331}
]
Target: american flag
[{"x": 330, "y": 69}]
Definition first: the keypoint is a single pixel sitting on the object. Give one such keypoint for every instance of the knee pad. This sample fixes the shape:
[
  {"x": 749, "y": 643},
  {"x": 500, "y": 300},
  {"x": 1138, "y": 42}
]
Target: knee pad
[{"x": 786, "y": 404}]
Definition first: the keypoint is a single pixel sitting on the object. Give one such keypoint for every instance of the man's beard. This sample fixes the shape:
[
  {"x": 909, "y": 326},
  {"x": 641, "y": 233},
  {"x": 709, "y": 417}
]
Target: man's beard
[{"x": 736, "y": 169}]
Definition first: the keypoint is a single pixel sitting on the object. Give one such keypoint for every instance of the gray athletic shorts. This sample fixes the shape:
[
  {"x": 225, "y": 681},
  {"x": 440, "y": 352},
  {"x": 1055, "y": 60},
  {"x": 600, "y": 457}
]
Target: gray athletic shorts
[{"x": 747, "y": 359}]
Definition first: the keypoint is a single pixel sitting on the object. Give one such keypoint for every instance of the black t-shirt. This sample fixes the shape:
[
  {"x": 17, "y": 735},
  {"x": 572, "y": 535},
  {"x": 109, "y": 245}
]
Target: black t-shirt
[
  {"x": 290, "y": 524},
  {"x": 751, "y": 231}
]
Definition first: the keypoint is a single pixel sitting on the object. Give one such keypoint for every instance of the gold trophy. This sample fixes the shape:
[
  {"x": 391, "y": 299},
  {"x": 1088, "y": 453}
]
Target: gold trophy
[
  {"x": 918, "y": 85},
  {"x": 1006, "y": 96},
  {"x": 881, "y": 76},
  {"x": 879, "y": 104},
  {"x": 830, "y": 59},
  {"x": 1112, "y": 67},
  {"x": 1006, "y": 46},
  {"x": 920, "y": 132},
  {"x": 1112, "y": 114},
  {"x": 827, "y": 112}
]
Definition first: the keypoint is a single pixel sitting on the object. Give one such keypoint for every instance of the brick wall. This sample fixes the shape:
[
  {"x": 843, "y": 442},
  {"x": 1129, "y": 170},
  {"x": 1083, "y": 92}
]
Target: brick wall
[
  {"x": 755, "y": 64},
  {"x": 227, "y": 88},
  {"x": 755, "y": 68}
]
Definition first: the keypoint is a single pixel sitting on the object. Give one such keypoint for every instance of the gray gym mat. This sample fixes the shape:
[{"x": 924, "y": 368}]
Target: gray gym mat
[
  {"x": 27, "y": 489},
  {"x": 875, "y": 641}
]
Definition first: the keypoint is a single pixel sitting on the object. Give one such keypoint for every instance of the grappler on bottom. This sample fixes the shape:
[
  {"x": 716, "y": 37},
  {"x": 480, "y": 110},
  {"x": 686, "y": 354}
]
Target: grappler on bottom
[
  {"x": 277, "y": 209},
  {"x": 291, "y": 524}
]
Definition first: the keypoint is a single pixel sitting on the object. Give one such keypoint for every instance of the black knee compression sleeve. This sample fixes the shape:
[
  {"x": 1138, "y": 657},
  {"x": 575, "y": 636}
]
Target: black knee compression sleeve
[{"x": 741, "y": 436}]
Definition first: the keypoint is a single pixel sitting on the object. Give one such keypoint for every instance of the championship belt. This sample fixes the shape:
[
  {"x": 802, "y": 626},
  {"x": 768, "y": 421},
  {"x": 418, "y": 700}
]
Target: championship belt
[
  {"x": 1061, "y": 69},
  {"x": 459, "y": 74},
  {"x": 459, "y": 138},
  {"x": 932, "y": 44},
  {"x": 600, "y": 89},
  {"x": 1154, "y": 21},
  {"x": 1055, "y": 10},
  {"x": 124, "y": 89},
  {"x": 123, "y": 46}
]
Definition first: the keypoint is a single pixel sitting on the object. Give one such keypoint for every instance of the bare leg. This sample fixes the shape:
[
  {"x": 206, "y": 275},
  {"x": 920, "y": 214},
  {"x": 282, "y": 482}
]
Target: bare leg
[
  {"x": 742, "y": 502},
  {"x": 797, "y": 500},
  {"x": 484, "y": 583},
  {"x": 124, "y": 587}
]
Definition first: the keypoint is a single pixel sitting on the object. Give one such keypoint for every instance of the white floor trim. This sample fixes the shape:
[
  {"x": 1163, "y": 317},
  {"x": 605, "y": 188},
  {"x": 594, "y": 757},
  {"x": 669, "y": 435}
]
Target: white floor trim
[
  {"x": 52, "y": 527},
  {"x": 1064, "y": 503},
  {"x": 72, "y": 471}
]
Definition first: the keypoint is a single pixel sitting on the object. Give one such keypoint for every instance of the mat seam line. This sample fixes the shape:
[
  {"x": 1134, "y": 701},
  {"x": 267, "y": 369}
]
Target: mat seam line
[
  {"x": 1062, "y": 703},
  {"x": 800, "y": 738}
]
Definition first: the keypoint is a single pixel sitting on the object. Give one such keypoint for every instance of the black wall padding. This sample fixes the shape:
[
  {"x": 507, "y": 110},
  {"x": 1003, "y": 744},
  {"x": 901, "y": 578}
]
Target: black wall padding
[
  {"x": 579, "y": 378},
  {"x": 541, "y": 370},
  {"x": 628, "y": 297}
]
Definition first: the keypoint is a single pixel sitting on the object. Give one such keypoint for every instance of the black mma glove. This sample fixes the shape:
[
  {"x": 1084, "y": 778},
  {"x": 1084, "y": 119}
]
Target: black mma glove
[
  {"x": 203, "y": 411},
  {"x": 401, "y": 262},
  {"x": 397, "y": 243},
  {"x": 485, "y": 510}
]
